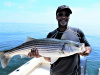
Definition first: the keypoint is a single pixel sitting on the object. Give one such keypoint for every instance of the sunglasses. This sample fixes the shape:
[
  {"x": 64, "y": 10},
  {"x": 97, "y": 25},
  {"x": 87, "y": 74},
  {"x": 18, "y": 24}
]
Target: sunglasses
[{"x": 61, "y": 14}]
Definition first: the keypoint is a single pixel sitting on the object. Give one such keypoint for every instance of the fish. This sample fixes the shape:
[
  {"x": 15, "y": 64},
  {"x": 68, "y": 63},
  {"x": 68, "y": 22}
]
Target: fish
[{"x": 46, "y": 47}]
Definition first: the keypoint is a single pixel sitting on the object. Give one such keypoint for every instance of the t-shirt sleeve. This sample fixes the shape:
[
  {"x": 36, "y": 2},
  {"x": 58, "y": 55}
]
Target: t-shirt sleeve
[
  {"x": 82, "y": 38},
  {"x": 49, "y": 35}
]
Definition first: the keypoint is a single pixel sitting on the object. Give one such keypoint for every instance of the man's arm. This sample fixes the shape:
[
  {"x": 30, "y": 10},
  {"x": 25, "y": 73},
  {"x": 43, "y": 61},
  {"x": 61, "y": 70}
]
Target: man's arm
[
  {"x": 87, "y": 45},
  {"x": 47, "y": 59},
  {"x": 87, "y": 52}
]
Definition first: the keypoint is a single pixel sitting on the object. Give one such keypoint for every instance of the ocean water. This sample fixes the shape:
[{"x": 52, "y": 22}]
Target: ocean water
[{"x": 14, "y": 34}]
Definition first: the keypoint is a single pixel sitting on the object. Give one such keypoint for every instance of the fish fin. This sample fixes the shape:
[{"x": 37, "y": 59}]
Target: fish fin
[
  {"x": 4, "y": 60},
  {"x": 29, "y": 39},
  {"x": 22, "y": 56}
]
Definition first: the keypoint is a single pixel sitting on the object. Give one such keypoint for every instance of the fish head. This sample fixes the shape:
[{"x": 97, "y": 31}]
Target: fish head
[{"x": 74, "y": 47}]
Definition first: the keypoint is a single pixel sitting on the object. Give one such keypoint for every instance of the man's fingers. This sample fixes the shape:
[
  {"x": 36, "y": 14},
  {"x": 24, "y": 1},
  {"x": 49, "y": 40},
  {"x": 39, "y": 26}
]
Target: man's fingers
[
  {"x": 34, "y": 53},
  {"x": 87, "y": 52},
  {"x": 29, "y": 54},
  {"x": 83, "y": 53},
  {"x": 37, "y": 52}
]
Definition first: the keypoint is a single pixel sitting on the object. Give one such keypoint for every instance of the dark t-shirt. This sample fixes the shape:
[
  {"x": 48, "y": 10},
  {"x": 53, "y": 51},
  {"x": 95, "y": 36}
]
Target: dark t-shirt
[{"x": 68, "y": 65}]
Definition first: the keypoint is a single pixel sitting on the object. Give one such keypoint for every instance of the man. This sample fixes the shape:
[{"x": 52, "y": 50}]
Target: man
[{"x": 66, "y": 65}]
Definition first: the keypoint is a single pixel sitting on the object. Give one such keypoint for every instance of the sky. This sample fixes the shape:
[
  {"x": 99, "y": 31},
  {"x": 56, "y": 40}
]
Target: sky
[{"x": 43, "y": 11}]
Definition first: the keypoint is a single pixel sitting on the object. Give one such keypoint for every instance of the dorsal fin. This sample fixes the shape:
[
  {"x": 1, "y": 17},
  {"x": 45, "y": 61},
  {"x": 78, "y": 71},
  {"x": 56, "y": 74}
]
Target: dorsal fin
[{"x": 29, "y": 39}]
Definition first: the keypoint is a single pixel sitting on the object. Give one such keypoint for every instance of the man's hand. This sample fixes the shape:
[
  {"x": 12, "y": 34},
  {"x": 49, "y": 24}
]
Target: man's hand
[
  {"x": 87, "y": 52},
  {"x": 34, "y": 53}
]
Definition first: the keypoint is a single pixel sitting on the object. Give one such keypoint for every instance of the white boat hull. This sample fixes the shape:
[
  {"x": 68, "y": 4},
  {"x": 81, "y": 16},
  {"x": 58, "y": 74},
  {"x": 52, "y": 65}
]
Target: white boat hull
[
  {"x": 39, "y": 66},
  {"x": 36, "y": 66}
]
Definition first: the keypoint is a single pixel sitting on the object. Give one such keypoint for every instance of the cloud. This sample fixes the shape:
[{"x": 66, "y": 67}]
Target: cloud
[
  {"x": 80, "y": 16},
  {"x": 26, "y": 5},
  {"x": 9, "y": 4},
  {"x": 21, "y": 5},
  {"x": 87, "y": 16}
]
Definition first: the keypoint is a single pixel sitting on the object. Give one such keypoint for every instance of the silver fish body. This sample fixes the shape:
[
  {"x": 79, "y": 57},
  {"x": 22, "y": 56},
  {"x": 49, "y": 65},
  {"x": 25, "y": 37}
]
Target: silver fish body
[{"x": 46, "y": 47}]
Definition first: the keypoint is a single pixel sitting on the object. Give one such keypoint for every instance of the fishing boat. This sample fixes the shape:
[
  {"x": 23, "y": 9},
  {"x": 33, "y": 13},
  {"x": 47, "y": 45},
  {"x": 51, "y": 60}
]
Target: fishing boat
[
  {"x": 99, "y": 71},
  {"x": 39, "y": 66}
]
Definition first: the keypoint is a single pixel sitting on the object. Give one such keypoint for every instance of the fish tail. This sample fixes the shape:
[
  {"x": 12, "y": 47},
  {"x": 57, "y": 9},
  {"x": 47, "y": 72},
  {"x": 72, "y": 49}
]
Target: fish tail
[{"x": 4, "y": 59}]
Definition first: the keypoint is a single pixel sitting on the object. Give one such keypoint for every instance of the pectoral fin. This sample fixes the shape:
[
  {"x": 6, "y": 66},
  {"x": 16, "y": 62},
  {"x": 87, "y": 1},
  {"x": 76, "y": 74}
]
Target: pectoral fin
[{"x": 22, "y": 56}]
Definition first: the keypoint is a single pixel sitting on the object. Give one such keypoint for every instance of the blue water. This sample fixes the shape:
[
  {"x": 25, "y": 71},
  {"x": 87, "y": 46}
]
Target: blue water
[{"x": 14, "y": 34}]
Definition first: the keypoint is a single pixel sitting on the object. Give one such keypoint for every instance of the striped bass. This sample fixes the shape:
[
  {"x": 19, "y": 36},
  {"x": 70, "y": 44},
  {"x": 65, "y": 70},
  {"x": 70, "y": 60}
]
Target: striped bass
[{"x": 46, "y": 47}]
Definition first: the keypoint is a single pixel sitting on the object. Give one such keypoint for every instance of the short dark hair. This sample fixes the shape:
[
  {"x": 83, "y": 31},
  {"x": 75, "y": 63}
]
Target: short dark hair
[{"x": 64, "y": 7}]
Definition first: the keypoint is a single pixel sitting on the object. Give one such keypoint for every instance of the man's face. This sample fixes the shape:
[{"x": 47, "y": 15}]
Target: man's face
[{"x": 63, "y": 18}]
